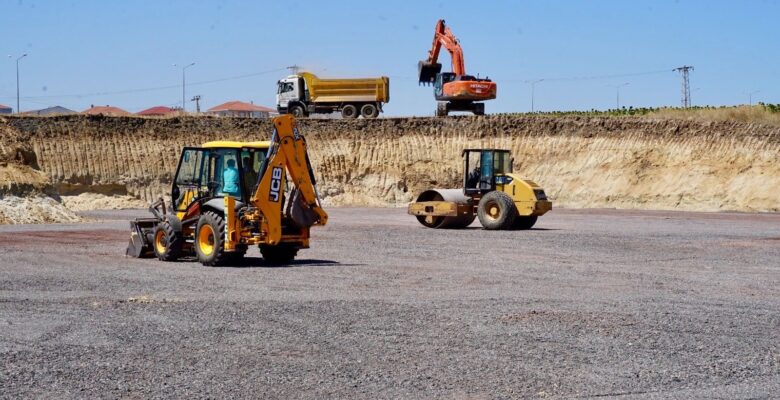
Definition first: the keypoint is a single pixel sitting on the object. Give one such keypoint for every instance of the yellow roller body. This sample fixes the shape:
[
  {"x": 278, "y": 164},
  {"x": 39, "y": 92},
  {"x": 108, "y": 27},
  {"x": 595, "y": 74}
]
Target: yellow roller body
[{"x": 443, "y": 209}]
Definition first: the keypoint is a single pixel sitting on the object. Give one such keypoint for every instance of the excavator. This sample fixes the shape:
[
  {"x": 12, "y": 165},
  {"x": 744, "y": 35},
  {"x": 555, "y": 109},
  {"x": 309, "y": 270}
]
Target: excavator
[
  {"x": 454, "y": 91},
  {"x": 227, "y": 196}
]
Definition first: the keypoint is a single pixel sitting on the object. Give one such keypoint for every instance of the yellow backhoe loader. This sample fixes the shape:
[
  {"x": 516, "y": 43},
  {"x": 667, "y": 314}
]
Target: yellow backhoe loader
[
  {"x": 500, "y": 198},
  {"x": 228, "y": 196}
]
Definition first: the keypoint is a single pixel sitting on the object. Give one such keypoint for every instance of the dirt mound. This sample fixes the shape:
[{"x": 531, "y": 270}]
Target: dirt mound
[
  {"x": 623, "y": 162},
  {"x": 98, "y": 201}
]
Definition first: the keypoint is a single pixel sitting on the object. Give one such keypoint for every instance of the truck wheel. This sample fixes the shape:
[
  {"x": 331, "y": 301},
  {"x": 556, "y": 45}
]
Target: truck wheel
[
  {"x": 349, "y": 111},
  {"x": 210, "y": 239},
  {"x": 441, "y": 109},
  {"x": 523, "y": 222},
  {"x": 279, "y": 254},
  {"x": 167, "y": 242},
  {"x": 298, "y": 112},
  {"x": 496, "y": 210},
  {"x": 369, "y": 111}
]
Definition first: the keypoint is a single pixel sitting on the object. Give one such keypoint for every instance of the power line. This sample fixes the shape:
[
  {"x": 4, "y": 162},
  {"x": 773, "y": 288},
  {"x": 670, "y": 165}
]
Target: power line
[
  {"x": 591, "y": 78},
  {"x": 151, "y": 89}
]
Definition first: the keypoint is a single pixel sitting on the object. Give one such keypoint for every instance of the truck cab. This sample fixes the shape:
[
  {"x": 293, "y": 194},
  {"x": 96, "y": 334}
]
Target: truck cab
[{"x": 289, "y": 91}]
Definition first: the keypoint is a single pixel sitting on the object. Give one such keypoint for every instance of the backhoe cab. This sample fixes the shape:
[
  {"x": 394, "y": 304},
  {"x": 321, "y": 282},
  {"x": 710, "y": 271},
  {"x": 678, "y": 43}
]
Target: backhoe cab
[
  {"x": 227, "y": 196},
  {"x": 491, "y": 192}
]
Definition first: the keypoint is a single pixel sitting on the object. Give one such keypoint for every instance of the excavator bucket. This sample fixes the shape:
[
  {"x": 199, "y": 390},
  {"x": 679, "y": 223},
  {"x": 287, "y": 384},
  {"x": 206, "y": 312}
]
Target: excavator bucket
[{"x": 427, "y": 72}]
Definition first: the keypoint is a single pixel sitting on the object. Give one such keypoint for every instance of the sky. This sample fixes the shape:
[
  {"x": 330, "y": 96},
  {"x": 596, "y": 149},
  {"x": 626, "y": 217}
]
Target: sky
[{"x": 121, "y": 53}]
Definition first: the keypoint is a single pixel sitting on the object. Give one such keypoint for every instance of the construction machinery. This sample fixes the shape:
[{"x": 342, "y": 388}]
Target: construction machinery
[
  {"x": 491, "y": 192},
  {"x": 304, "y": 93},
  {"x": 227, "y": 196},
  {"x": 455, "y": 91}
]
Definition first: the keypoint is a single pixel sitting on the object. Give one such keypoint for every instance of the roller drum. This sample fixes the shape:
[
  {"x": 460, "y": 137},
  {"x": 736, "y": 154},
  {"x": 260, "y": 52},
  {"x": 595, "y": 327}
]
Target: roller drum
[{"x": 450, "y": 195}]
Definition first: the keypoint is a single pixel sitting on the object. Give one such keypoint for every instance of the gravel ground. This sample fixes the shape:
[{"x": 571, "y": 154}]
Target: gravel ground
[{"x": 593, "y": 303}]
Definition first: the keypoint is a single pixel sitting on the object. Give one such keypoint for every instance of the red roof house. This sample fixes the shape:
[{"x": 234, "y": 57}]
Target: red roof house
[
  {"x": 107, "y": 110},
  {"x": 157, "y": 111},
  {"x": 241, "y": 109}
]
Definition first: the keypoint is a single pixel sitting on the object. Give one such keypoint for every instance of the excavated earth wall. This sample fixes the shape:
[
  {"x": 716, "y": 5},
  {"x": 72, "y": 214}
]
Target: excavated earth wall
[{"x": 622, "y": 162}]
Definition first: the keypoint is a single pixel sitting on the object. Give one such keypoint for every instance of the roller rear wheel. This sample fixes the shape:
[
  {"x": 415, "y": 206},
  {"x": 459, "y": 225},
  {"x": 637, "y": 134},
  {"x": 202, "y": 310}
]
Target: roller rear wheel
[{"x": 496, "y": 211}]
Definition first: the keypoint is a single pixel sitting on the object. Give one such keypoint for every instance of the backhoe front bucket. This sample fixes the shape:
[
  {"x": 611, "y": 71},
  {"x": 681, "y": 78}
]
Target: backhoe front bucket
[
  {"x": 141, "y": 238},
  {"x": 427, "y": 72}
]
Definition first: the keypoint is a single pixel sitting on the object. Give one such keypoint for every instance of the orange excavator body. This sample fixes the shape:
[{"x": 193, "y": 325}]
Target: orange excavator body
[{"x": 456, "y": 88}]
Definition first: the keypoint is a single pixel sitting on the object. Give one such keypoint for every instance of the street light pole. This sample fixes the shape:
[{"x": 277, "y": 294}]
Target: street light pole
[
  {"x": 183, "y": 85},
  {"x": 18, "y": 110},
  {"x": 617, "y": 89},
  {"x": 533, "y": 86}
]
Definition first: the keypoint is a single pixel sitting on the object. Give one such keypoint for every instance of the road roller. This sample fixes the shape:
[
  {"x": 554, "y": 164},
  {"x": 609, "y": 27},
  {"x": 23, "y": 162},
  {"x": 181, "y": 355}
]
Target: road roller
[{"x": 491, "y": 192}]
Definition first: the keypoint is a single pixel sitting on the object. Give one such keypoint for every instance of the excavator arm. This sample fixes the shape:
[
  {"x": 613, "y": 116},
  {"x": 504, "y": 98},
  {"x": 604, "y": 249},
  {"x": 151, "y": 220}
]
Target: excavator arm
[
  {"x": 287, "y": 156},
  {"x": 442, "y": 36}
]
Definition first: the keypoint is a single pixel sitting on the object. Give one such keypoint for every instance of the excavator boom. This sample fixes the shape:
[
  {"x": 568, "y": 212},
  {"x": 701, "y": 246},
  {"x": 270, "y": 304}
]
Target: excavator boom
[{"x": 429, "y": 68}]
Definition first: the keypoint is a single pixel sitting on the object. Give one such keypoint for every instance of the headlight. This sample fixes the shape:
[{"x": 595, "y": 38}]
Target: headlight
[{"x": 540, "y": 195}]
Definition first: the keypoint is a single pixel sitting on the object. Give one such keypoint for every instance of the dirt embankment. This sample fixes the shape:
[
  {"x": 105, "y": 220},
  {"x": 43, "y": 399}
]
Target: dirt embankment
[{"x": 623, "y": 162}]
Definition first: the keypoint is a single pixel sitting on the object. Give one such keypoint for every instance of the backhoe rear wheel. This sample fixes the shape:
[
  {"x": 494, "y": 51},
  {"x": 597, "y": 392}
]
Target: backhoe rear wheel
[
  {"x": 496, "y": 210},
  {"x": 279, "y": 254},
  {"x": 369, "y": 111},
  {"x": 210, "y": 239},
  {"x": 167, "y": 242},
  {"x": 349, "y": 111}
]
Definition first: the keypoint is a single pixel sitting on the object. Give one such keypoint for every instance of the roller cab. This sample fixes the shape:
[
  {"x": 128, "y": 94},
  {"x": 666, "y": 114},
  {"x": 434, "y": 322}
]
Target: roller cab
[{"x": 491, "y": 192}]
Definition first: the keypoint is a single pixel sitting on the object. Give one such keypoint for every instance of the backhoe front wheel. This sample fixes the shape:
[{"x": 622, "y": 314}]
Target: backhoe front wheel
[
  {"x": 210, "y": 239},
  {"x": 167, "y": 242},
  {"x": 496, "y": 210}
]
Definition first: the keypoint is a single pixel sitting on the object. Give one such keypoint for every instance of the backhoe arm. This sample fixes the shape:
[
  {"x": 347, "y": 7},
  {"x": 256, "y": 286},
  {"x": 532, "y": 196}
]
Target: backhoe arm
[{"x": 286, "y": 156}]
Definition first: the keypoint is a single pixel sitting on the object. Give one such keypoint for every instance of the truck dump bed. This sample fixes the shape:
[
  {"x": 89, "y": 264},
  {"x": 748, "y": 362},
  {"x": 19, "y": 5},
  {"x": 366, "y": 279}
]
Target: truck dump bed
[{"x": 347, "y": 90}]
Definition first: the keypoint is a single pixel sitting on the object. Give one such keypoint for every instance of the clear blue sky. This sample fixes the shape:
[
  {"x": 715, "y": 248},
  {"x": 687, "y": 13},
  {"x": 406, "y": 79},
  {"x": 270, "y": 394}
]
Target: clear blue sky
[{"x": 88, "y": 46}]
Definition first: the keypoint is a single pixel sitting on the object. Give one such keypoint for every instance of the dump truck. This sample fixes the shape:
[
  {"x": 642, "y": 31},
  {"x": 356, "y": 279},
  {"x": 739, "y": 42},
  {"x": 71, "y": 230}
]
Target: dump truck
[
  {"x": 501, "y": 199},
  {"x": 227, "y": 196},
  {"x": 304, "y": 94}
]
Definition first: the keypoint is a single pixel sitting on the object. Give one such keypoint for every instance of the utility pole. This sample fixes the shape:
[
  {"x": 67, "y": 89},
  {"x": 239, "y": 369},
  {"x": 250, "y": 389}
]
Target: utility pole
[
  {"x": 617, "y": 88},
  {"x": 686, "y": 84},
  {"x": 533, "y": 86},
  {"x": 18, "y": 109},
  {"x": 183, "y": 85},
  {"x": 196, "y": 99},
  {"x": 750, "y": 96},
  {"x": 294, "y": 69}
]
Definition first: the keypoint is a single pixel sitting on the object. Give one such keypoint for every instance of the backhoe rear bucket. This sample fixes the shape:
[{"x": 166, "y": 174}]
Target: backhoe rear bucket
[
  {"x": 141, "y": 238},
  {"x": 427, "y": 72}
]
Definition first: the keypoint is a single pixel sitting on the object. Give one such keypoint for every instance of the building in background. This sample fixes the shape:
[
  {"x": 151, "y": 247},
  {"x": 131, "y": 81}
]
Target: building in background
[
  {"x": 55, "y": 110},
  {"x": 241, "y": 109},
  {"x": 159, "y": 111},
  {"x": 107, "y": 110},
  {"x": 6, "y": 109}
]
